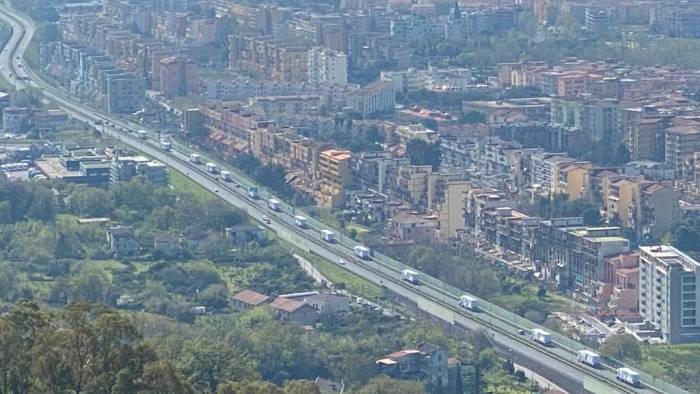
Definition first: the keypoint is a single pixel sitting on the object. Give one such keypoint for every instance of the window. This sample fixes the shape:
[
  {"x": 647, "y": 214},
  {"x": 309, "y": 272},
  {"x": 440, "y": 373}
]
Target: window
[
  {"x": 688, "y": 287},
  {"x": 689, "y": 313},
  {"x": 688, "y": 322},
  {"x": 689, "y": 279},
  {"x": 689, "y": 304},
  {"x": 689, "y": 296}
]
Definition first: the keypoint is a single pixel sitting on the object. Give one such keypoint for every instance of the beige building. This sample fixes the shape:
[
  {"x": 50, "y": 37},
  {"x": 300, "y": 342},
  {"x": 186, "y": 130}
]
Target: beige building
[
  {"x": 447, "y": 193},
  {"x": 573, "y": 179},
  {"x": 412, "y": 184},
  {"x": 335, "y": 175},
  {"x": 413, "y": 226},
  {"x": 285, "y": 147},
  {"x": 650, "y": 208}
]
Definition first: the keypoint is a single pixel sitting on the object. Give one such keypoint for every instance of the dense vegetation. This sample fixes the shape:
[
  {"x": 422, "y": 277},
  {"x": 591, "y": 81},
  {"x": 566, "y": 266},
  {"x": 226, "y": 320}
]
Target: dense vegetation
[
  {"x": 46, "y": 255},
  {"x": 157, "y": 343}
]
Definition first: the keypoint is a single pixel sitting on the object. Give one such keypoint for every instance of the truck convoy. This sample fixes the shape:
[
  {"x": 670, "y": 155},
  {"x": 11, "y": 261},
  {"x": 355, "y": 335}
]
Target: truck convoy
[
  {"x": 410, "y": 276},
  {"x": 628, "y": 376},
  {"x": 212, "y": 168},
  {"x": 469, "y": 302},
  {"x": 588, "y": 357},
  {"x": 541, "y": 336},
  {"x": 166, "y": 146},
  {"x": 142, "y": 134},
  {"x": 328, "y": 236},
  {"x": 273, "y": 204},
  {"x": 195, "y": 158},
  {"x": 362, "y": 252},
  {"x": 300, "y": 221}
]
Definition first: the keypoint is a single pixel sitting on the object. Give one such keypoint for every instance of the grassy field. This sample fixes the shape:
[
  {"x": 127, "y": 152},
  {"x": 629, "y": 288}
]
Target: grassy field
[
  {"x": 337, "y": 274},
  {"x": 181, "y": 183}
]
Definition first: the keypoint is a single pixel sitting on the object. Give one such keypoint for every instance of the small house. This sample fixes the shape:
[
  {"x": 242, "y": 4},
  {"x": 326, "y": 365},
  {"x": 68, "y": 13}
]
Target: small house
[
  {"x": 122, "y": 240},
  {"x": 244, "y": 233},
  {"x": 329, "y": 303},
  {"x": 166, "y": 243},
  {"x": 248, "y": 299},
  {"x": 294, "y": 311}
]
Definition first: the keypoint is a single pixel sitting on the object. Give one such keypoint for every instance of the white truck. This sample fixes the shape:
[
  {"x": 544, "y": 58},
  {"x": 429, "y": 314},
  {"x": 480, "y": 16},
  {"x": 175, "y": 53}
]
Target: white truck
[
  {"x": 628, "y": 376},
  {"x": 588, "y": 357},
  {"x": 541, "y": 336},
  {"x": 328, "y": 236},
  {"x": 195, "y": 158},
  {"x": 273, "y": 204},
  {"x": 212, "y": 168},
  {"x": 362, "y": 252},
  {"x": 253, "y": 192},
  {"x": 410, "y": 276},
  {"x": 469, "y": 302},
  {"x": 300, "y": 221},
  {"x": 142, "y": 134},
  {"x": 166, "y": 146},
  {"x": 225, "y": 176}
]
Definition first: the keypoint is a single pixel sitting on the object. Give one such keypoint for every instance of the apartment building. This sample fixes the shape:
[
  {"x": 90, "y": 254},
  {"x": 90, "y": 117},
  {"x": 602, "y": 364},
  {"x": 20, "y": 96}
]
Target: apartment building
[
  {"x": 525, "y": 109},
  {"x": 681, "y": 141},
  {"x": 124, "y": 168},
  {"x": 479, "y": 201},
  {"x": 376, "y": 97},
  {"x": 574, "y": 180},
  {"x": 545, "y": 168},
  {"x": 509, "y": 230},
  {"x": 413, "y": 226},
  {"x": 335, "y": 176},
  {"x": 621, "y": 289},
  {"x": 125, "y": 93},
  {"x": 650, "y": 208},
  {"x": 371, "y": 170},
  {"x": 597, "y": 118},
  {"x": 302, "y": 104},
  {"x": 268, "y": 58},
  {"x": 327, "y": 66},
  {"x": 285, "y": 147},
  {"x": 668, "y": 292},
  {"x": 411, "y": 184},
  {"x": 178, "y": 76},
  {"x": 643, "y": 133},
  {"x": 574, "y": 254},
  {"x": 231, "y": 119},
  {"x": 446, "y": 198}
]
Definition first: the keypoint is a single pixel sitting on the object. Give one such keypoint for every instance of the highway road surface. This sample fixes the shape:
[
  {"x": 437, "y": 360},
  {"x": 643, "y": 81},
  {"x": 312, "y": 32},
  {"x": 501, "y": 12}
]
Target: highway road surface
[{"x": 430, "y": 296}]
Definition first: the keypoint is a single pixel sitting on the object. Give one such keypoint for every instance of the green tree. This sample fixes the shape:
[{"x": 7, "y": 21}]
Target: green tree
[
  {"x": 424, "y": 153},
  {"x": 623, "y": 348},
  {"x": 161, "y": 377},
  {"x": 208, "y": 364},
  {"x": 472, "y": 117},
  {"x": 385, "y": 385},
  {"x": 20, "y": 329},
  {"x": 92, "y": 284},
  {"x": 96, "y": 350}
]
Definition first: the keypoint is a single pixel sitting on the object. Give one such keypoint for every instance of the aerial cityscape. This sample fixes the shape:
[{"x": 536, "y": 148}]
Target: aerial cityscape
[{"x": 350, "y": 196}]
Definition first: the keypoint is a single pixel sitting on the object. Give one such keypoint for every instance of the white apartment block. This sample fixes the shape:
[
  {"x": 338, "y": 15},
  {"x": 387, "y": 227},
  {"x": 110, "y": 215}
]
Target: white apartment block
[
  {"x": 668, "y": 292},
  {"x": 327, "y": 65}
]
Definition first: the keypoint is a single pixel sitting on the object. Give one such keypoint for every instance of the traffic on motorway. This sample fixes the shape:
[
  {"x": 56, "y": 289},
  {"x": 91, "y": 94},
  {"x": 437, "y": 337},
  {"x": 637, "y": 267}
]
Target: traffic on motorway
[{"x": 286, "y": 220}]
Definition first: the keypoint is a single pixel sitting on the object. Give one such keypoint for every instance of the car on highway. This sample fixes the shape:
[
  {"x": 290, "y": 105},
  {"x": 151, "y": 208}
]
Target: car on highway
[
  {"x": 341, "y": 262},
  {"x": 266, "y": 219}
]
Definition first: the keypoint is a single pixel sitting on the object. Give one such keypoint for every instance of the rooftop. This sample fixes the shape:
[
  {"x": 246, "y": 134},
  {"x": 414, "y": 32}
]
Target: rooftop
[
  {"x": 251, "y": 297},
  {"x": 286, "y": 304}
]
